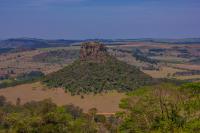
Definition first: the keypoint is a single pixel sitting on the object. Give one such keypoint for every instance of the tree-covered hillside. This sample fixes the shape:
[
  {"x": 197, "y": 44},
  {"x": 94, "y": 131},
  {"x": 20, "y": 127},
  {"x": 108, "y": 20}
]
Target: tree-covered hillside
[
  {"x": 89, "y": 76},
  {"x": 97, "y": 71}
]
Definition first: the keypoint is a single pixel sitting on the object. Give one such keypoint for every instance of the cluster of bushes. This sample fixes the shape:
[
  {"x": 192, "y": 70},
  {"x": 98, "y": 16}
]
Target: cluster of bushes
[
  {"x": 22, "y": 78},
  {"x": 157, "y": 50},
  {"x": 46, "y": 117},
  {"x": 30, "y": 76},
  {"x": 195, "y": 61},
  {"x": 87, "y": 76},
  {"x": 139, "y": 55},
  {"x": 162, "y": 108},
  {"x": 5, "y": 50},
  {"x": 187, "y": 73}
]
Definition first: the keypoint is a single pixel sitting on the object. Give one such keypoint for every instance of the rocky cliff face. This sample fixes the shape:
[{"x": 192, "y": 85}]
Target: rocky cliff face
[{"x": 93, "y": 51}]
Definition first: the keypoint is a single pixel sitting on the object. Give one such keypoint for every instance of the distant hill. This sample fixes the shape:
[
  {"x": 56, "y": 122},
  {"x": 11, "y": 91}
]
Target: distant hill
[
  {"x": 170, "y": 41},
  {"x": 96, "y": 71},
  {"x": 34, "y": 43},
  {"x": 42, "y": 43},
  {"x": 177, "y": 41}
]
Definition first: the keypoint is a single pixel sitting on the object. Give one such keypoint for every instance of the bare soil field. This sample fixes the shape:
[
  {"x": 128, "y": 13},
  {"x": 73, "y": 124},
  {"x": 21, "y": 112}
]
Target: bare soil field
[
  {"x": 147, "y": 44},
  {"x": 187, "y": 66},
  {"x": 105, "y": 102},
  {"x": 162, "y": 73}
]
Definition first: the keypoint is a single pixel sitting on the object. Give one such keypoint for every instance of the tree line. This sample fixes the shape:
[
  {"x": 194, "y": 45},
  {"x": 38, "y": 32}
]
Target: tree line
[{"x": 163, "y": 108}]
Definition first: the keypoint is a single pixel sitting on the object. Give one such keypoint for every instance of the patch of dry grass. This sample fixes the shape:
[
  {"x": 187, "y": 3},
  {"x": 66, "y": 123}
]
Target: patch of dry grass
[
  {"x": 105, "y": 102},
  {"x": 162, "y": 73}
]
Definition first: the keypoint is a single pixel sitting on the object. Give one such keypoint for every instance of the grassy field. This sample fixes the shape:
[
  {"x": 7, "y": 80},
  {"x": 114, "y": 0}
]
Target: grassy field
[
  {"x": 105, "y": 102},
  {"x": 162, "y": 73}
]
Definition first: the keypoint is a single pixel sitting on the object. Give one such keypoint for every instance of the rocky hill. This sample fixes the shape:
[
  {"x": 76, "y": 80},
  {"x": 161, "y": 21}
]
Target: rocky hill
[
  {"x": 92, "y": 51},
  {"x": 97, "y": 71}
]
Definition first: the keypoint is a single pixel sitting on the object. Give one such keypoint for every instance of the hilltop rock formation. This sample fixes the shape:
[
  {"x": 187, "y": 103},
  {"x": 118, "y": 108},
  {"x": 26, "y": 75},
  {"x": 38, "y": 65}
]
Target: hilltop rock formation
[
  {"x": 93, "y": 51},
  {"x": 96, "y": 71}
]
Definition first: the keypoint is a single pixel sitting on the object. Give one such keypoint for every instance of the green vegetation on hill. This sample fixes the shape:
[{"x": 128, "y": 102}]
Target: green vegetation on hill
[
  {"x": 32, "y": 76},
  {"x": 90, "y": 76}
]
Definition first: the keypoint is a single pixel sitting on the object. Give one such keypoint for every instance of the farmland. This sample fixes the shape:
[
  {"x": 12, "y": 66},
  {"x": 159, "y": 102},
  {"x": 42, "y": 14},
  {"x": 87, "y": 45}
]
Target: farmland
[
  {"x": 170, "y": 58},
  {"x": 105, "y": 102}
]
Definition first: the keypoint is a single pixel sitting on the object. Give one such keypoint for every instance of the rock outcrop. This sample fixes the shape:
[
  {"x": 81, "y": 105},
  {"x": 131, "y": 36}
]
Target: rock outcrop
[
  {"x": 96, "y": 71},
  {"x": 93, "y": 51}
]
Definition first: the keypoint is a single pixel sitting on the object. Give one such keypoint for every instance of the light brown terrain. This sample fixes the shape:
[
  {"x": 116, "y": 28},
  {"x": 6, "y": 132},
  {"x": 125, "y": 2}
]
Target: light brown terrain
[
  {"x": 170, "y": 62},
  {"x": 162, "y": 73},
  {"x": 105, "y": 103},
  {"x": 22, "y": 62}
]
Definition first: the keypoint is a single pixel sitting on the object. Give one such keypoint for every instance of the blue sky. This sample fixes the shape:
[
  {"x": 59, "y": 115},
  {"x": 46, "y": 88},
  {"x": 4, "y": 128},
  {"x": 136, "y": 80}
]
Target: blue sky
[{"x": 83, "y": 19}]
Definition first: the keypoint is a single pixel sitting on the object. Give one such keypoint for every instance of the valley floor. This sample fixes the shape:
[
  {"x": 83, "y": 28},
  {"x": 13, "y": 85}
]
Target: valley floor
[{"x": 105, "y": 102}]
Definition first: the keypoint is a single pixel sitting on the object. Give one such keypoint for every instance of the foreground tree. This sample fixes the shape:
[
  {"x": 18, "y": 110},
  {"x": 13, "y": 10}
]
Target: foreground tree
[{"x": 162, "y": 108}]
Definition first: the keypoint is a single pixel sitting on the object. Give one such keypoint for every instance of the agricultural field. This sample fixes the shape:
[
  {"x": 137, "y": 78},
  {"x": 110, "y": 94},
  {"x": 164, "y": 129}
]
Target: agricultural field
[
  {"x": 159, "y": 60},
  {"x": 35, "y": 60},
  {"x": 104, "y": 102}
]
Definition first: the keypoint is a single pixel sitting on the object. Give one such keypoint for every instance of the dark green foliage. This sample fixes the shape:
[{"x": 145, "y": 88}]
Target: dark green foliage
[
  {"x": 5, "y": 50},
  {"x": 162, "y": 108},
  {"x": 89, "y": 76},
  {"x": 23, "y": 78},
  {"x": 44, "y": 117},
  {"x": 2, "y": 101},
  {"x": 192, "y": 87},
  {"x": 30, "y": 76},
  {"x": 75, "y": 111},
  {"x": 187, "y": 73},
  {"x": 100, "y": 118},
  {"x": 139, "y": 55},
  {"x": 195, "y": 61}
]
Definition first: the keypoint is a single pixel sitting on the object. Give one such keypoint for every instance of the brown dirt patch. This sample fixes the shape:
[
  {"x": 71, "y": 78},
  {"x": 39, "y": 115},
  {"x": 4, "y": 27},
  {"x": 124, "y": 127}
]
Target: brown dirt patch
[{"x": 105, "y": 102}]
